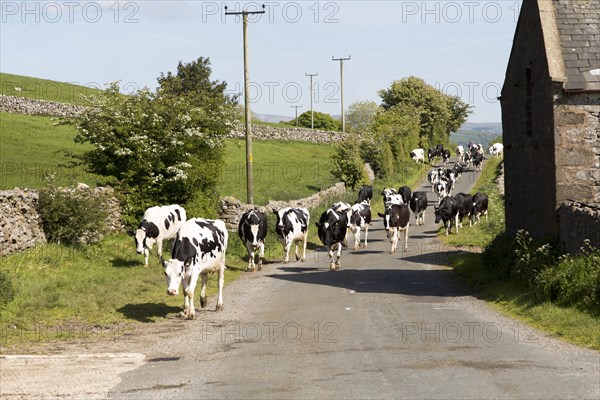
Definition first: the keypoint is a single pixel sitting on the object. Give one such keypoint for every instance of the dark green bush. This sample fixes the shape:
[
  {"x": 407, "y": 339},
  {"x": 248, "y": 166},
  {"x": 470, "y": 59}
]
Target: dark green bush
[{"x": 73, "y": 216}]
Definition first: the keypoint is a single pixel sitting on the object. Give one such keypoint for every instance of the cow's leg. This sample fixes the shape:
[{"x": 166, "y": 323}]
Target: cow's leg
[
  {"x": 394, "y": 240},
  {"x": 330, "y": 254},
  {"x": 339, "y": 256},
  {"x": 189, "y": 292},
  {"x": 296, "y": 250},
  {"x": 366, "y": 234},
  {"x": 406, "y": 238},
  {"x": 486, "y": 215},
  {"x": 159, "y": 245},
  {"x": 146, "y": 254},
  {"x": 356, "y": 233},
  {"x": 250, "y": 249},
  {"x": 221, "y": 283},
  {"x": 261, "y": 254},
  {"x": 456, "y": 223},
  {"x": 286, "y": 250},
  {"x": 304, "y": 243},
  {"x": 446, "y": 223},
  {"x": 203, "y": 290},
  {"x": 423, "y": 218}
]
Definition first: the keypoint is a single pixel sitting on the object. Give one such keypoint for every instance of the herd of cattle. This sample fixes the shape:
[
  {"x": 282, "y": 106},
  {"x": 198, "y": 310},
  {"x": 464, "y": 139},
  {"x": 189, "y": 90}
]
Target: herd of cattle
[{"x": 200, "y": 245}]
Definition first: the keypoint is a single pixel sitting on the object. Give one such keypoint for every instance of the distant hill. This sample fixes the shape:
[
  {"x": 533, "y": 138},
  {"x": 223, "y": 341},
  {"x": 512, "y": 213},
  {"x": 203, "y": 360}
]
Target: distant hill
[
  {"x": 272, "y": 118},
  {"x": 477, "y": 132}
]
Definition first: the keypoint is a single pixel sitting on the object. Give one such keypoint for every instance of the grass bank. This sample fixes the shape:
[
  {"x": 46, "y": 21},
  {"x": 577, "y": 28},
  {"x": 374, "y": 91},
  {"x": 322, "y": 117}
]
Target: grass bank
[{"x": 528, "y": 280}]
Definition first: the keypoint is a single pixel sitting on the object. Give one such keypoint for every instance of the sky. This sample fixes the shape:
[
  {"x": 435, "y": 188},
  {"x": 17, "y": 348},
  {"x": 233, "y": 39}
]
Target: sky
[{"x": 460, "y": 47}]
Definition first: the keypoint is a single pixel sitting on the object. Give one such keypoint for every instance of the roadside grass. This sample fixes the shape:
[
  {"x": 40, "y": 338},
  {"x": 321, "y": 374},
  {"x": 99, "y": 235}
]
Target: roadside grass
[
  {"x": 33, "y": 146},
  {"x": 44, "y": 89},
  {"x": 482, "y": 233},
  {"x": 512, "y": 295}
]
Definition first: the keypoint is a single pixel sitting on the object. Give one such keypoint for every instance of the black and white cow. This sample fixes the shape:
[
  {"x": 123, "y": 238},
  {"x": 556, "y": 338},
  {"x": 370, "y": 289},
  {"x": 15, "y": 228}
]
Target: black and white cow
[
  {"x": 434, "y": 177},
  {"x": 418, "y": 155},
  {"x": 405, "y": 193},
  {"x": 480, "y": 206},
  {"x": 468, "y": 160},
  {"x": 361, "y": 218},
  {"x": 198, "y": 249},
  {"x": 418, "y": 205},
  {"x": 396, "y": 219},
  {"x": 365, "y": 193},
  {"x": 458, "y": 169},
  {"x": 391, "y": 196},
  {"x": 292, "y": 227},
  {"x": 442, "y": 189},
  {"x": 496, "y": 149},
  {"x": 447, "y": 211},
  {"x": 332, "y": 227},
  {"x": 465, "y": 207},
  {"x": 158, "y": 223},
  {"x": 345, "y": 208},
  {"x": 478, "y": 161},
  {"x": 252, "y": 229},
  {"x": 445, "y": 157},
  {"x": 460, "y": 153},
  {"x": 431, "y": 155}
]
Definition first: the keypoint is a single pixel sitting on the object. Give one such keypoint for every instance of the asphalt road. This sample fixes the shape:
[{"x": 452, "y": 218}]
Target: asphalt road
[{"x": 384, "y": 326}]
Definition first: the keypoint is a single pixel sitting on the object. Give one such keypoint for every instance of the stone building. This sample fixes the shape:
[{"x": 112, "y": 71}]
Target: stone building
[{"x": 551, "y": 120}]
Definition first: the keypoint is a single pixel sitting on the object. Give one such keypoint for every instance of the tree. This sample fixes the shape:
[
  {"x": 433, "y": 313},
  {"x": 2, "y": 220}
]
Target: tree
[
  {"x": 321, "y": 121},
  {"x": 361, "y": 115},
  {"x": 439, "y": 114},
  {"x": 163, "y": 147},
  {"x": 348, "y": 165}
]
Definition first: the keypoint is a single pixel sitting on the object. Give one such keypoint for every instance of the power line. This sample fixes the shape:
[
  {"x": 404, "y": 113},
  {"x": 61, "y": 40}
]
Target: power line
[
  {"x": 248, "y": 113},
  {"x": 341, "y": 60},
  {"x": 311, "y": 88}
]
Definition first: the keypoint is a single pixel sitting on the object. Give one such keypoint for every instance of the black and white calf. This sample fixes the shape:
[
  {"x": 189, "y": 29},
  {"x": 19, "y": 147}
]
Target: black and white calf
[
  {"x": 418, "y": 155},
  {"x": 496, "y": 149},
  {"x": 360, "y": 218},
  {"x": 332, "y": 227},
  {"x": 445, "y": 157},
  {"x": 464, "y": 203},
  {"x": 442, "y": 189},
  {"x": 447, "y": 211},
  {"x": 365, "y": 194},
  {"x": 199, "y": 248},
  {"x": 395, "y": 220},
  {"x": 418, "y": 205},
  {"x": 252, "y": 229},
  {"x": 460, "y": 153},
  {"x": 480, "y": 206},
  {"x": 158, "y": 223},
  {"x": 345, "y": 208},
  {"x": 292, "y": 227}
]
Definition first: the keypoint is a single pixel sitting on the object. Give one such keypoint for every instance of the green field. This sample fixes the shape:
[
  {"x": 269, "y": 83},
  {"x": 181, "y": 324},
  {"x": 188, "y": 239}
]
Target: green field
[{"x": 43, "y": 89}]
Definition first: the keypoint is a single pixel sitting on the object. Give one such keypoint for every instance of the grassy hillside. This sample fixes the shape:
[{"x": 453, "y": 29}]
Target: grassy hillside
[
  {"x": 42, "y": 89},
  {"x": 32, "y": 146}
]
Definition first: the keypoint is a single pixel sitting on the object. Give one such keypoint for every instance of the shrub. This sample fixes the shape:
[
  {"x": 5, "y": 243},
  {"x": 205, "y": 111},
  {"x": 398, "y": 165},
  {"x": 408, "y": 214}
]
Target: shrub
[
  {"x": 7, "y": 292},
  {"x": 349, "y": 166},
  {"x": 73, "y": 215},
  {"x": 531, "y": 257}
]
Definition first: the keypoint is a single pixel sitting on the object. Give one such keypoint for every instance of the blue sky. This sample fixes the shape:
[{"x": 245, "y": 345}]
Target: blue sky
[{"x": 461, "y": 47}]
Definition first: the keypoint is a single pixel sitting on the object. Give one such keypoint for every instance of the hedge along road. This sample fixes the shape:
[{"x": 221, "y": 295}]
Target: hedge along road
[{"x": 384, "y": 326}]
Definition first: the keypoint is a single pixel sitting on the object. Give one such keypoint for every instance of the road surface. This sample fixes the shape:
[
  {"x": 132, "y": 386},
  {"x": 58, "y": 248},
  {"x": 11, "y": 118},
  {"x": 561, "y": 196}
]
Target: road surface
[{"x": 385, "y": 326}]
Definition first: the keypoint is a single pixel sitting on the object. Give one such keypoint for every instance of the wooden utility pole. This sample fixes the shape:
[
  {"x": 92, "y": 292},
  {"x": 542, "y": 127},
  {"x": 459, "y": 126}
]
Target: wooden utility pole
[
  {"x": 341, "y": 60},
  {"x": 248, "y": 113},
  {"x": 312, "y": 117},
  {"x": 296, "y": 107}
]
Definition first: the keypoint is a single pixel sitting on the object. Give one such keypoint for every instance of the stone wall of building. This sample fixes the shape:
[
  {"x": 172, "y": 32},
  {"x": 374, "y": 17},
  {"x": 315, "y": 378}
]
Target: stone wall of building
[
  {"x": 577, "y": 132},
  {"x": 231, "y": 209},
  {"x": 578, "y": 222}
]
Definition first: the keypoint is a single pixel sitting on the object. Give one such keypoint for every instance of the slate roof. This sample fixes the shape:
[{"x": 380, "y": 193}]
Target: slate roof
[{"x": 578, "y": 23}]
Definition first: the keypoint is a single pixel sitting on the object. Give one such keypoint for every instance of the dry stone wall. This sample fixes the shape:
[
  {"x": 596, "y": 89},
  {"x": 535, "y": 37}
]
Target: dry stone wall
[
  {"x": 21, "y": 226},
  {"x": 232, "y": 209},
  {"x": 24, "y": 105},
  {"x": 20, "y": 223}
]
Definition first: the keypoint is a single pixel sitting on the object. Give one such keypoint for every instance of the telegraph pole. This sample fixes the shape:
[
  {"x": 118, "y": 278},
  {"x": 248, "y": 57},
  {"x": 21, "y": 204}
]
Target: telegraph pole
[
  {"x": 312, "y": 117},
  {"x": 296, "y": 107},
  {"x": 248, "y": 113},
  {"x": 341, "y": 60}
]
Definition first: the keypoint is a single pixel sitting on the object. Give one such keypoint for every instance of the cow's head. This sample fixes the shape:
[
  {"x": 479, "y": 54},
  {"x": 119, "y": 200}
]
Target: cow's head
[
  {"x": 438, "y": 215},
  {"x": 174, "y": 272},
  {"x": 331, "y": 227},
  {"x": 140, "y": 240}
]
